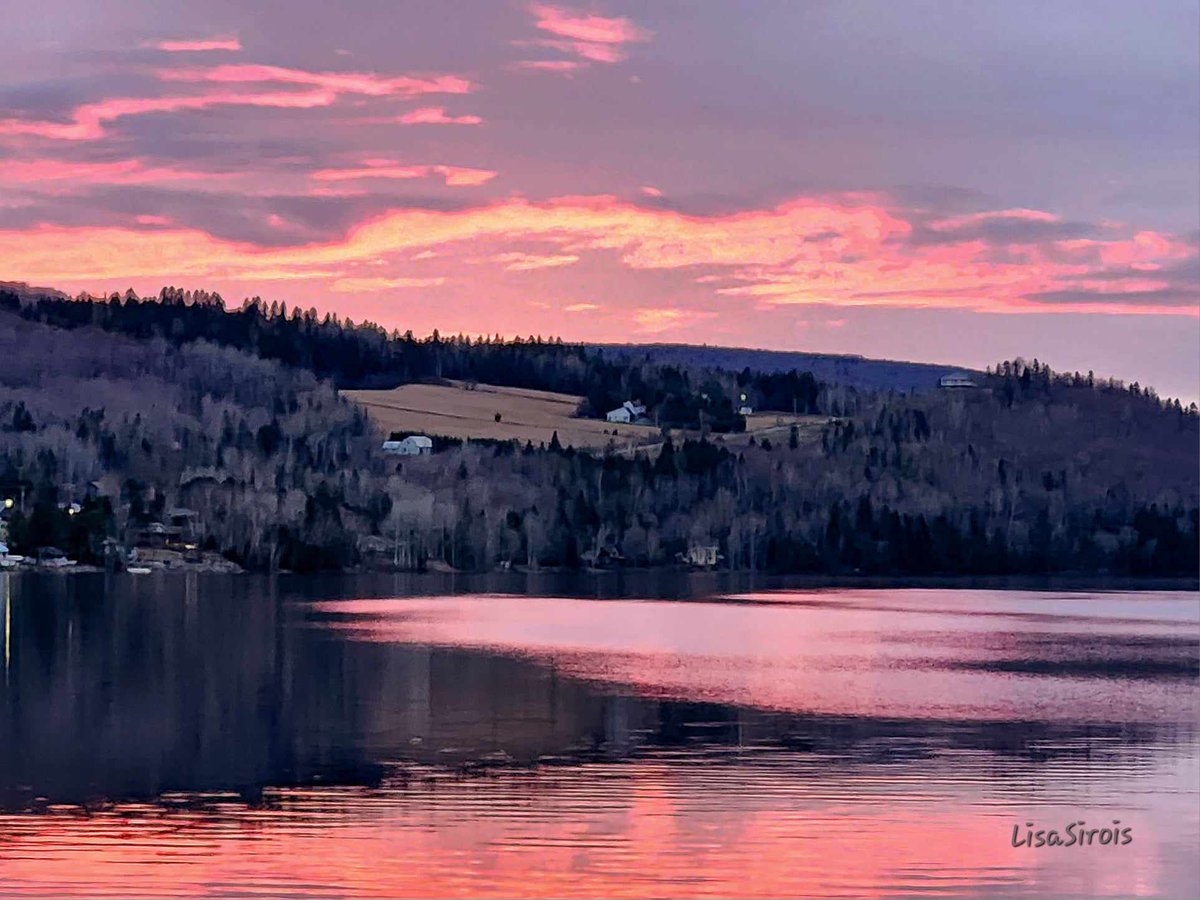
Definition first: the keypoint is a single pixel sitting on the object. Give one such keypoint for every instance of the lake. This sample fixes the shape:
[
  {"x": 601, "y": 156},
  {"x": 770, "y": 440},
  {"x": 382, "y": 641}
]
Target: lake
[{"x": 619, "y": 736}]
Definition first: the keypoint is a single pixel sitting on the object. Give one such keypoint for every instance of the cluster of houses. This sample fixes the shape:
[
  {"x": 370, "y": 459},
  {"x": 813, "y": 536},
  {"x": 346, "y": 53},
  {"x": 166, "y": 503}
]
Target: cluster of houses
[
  {"x": 174, "y": 541},
  {"x": 632, "y": 412},
  {"x": 48, "y": 557}
]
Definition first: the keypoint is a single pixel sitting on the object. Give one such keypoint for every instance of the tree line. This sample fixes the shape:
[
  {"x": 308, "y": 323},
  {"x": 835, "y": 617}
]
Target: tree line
[
  {"x": 366, "y": 356},
  {"x": 1035, "y": 471}
]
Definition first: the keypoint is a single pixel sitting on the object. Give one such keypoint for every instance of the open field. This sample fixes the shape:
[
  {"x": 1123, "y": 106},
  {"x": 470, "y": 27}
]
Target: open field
[{"x": 525, "y": 415}]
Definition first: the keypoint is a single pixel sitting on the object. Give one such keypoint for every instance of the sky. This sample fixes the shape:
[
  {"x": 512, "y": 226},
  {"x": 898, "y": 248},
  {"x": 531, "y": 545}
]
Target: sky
[{"x": 956, "y": 183}]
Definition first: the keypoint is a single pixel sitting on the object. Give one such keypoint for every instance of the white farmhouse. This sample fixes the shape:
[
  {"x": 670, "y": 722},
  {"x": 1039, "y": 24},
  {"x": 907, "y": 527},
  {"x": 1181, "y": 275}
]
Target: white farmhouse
[
  {"x": 629, "y": 411},
  {"x": 413, "y": 445},
  {"x": 957, "y": 380}
]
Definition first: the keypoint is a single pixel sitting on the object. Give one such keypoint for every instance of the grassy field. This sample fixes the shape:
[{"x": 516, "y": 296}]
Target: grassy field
[{"x": 525, "y": 415}]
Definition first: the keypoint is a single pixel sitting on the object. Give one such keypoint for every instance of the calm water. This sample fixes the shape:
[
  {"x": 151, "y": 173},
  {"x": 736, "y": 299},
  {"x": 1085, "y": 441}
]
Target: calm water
[{"x": 161, "y": 736}]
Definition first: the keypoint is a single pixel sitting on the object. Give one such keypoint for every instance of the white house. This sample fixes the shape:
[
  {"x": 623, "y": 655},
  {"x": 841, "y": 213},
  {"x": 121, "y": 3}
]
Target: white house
[
  {"x": 957, "y": 380},
  {"x": 704, "y": 556},
  {"x": 413, "y": 445},
  {"x": 745, "y": 410},
  {"x": 629, "y": 411}
]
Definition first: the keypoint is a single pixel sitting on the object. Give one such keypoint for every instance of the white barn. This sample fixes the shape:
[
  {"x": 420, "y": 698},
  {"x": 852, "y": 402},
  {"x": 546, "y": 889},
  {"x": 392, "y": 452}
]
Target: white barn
[
  {"x": 629, "y": 411},
  {"x": 413, "y": 445}
]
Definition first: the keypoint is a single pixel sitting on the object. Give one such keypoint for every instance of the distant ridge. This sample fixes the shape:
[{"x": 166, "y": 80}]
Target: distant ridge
[
  {"x": 848, "y": 369},
  {"x": 26, "y": 291}
]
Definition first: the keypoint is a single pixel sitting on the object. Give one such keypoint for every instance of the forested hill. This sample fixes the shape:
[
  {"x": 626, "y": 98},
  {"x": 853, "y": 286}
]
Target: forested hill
[
  {"x": 364, "y": 355},
  {"x": 235, "y": 416},
  {"x": 834, "y": 368}
]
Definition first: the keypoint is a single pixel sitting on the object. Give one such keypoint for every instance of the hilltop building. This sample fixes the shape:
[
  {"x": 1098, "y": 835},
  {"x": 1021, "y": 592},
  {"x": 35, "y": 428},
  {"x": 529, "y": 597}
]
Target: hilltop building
[
  {"x": 629, "y": 411},
  {"x": 413, "y": 445},
  {"x": 957, "y": 380}
]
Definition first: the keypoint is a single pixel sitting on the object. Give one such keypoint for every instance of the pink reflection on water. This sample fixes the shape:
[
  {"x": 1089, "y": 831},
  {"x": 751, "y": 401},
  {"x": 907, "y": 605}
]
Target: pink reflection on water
[
  {"x": 926, "y": 654},
  {"x": 648, "y": 828}
]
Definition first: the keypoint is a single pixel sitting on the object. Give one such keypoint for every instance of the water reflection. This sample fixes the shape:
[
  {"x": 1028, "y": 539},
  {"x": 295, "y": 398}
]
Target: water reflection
[{"x": 234, "y": 734}]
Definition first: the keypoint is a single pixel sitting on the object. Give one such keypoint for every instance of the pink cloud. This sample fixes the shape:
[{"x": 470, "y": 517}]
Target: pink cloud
[
  {"x": 87, "y": 121},
  {"x": 436, "y": 115},
  {"x": 526, "y": 262},
  {"x": 591, "y": 28},
  {"x": 356, "y": 285},
  {"x": 653, "y": 320},
  {"x": 605, "y": 53},
  {"x": 850, "y": 250},
  {"x": 650, "y": 191},
  {"x": 454, "y": 176},
  {"x": 364, "y": 83},
  {"x": 561, "y": 66},
  {"x": 196, "y": 45},
  {"x": 462, "y": 176},
  {"x": 589, "y": 37},
  {"x": 316, "y": 89},
  {"x": 35, "y": 173}
]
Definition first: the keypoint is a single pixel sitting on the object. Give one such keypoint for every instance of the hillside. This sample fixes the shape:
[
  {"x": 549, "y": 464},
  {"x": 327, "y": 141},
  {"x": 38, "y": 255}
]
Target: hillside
[
  {"x": 274, "y": 463},
  {"x": 490, "y": 412},
  {"x": 1032, "y": 473},
  {"x": 851, "y": 371},
  {"x": 473, "y": 411}
]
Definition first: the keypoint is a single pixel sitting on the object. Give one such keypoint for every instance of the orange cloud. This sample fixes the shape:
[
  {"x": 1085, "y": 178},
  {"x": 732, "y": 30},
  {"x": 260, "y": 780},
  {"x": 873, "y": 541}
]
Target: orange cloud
[
  {"x": 524, "y": 262},
  {"x": 364, "y": 285},
  {"x": 844, "y": 250},
  {"x": 651, "y": 320},
  {"x": 191, "y": 45}
]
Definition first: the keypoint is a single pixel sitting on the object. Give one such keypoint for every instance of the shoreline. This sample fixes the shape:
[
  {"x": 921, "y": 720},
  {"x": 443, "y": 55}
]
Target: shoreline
[{"x": 719, "y": 579}]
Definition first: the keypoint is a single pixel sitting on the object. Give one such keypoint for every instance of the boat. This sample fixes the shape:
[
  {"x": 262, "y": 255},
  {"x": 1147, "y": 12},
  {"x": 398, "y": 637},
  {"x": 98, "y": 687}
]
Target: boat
[{"x": 139, "y": 570}]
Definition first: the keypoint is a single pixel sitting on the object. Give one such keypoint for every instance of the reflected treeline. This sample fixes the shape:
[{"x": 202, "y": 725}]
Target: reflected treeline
[{"x": 132, "y": 688}]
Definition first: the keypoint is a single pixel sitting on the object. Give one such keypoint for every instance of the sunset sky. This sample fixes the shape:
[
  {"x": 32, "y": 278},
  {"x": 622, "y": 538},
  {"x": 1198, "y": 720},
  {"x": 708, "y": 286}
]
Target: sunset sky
[{"x": 953, "y": 182}]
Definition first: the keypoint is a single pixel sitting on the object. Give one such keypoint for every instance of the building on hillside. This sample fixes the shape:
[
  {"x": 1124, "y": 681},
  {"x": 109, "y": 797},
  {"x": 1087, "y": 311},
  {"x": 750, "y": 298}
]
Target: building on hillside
[
  {"x": 187, "y": 521},
  {"x": 53, "y": 558},
  {"x": 413, "y": 445},
  {"x": 158, "y": 536},
  {"x": 629, "y": 411},
  {"x": 957, "y": 380},
  {"x": 703, "y": 556},
  {"x": 745, "y": 410}
]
